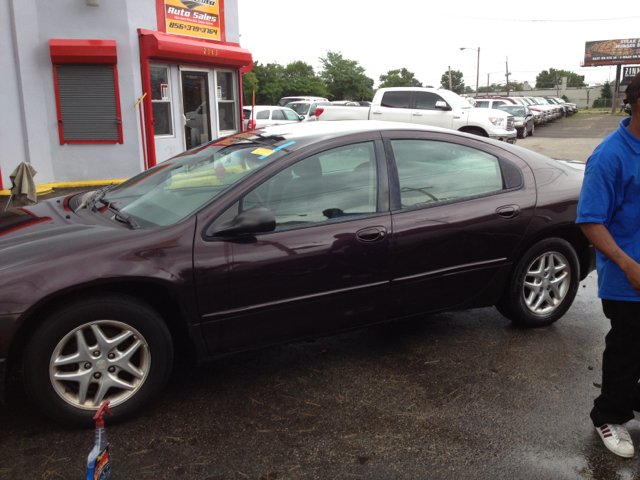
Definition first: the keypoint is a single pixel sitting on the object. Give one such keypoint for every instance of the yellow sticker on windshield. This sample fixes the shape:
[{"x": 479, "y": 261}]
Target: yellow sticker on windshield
[{"x": 262, "y": 151}]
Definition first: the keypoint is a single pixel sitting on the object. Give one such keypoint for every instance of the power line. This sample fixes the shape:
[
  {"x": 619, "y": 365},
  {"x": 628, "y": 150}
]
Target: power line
[{"x": 538, "y": 20}]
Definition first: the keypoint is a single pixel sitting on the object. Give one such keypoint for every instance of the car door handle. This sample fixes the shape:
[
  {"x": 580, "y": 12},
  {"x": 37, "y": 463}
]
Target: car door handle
[
  {"x": 371, "y": 234},
  {"x": 417, "y": 114},
  {"x": 508, "y": 211},
  {"x": 377, "y": 112}
]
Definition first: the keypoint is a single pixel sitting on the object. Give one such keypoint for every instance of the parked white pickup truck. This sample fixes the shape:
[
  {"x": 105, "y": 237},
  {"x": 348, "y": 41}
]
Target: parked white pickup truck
[{"x": 427, "y": 106}]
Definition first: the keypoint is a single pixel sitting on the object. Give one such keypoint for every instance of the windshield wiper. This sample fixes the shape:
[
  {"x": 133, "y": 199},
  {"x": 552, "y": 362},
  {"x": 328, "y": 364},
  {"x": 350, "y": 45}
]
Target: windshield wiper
[
  {"x": 120, "y": 214},
  {"x": 97, "y": 195}
]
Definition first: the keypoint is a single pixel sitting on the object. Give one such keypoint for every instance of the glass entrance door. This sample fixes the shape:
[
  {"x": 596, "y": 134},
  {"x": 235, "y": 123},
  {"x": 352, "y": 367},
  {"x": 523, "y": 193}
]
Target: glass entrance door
[{"x": 195, "y": 104}]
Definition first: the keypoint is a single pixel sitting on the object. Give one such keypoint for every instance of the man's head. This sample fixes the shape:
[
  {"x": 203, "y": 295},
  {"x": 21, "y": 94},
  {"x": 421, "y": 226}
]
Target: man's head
[{"x": 633, "y": 94}]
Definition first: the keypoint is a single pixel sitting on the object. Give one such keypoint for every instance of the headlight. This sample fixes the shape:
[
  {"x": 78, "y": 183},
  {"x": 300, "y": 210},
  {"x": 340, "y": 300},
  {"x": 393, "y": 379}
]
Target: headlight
[
  {"x": 518, "y": 124},
  {"x": 498, "y": 122}
]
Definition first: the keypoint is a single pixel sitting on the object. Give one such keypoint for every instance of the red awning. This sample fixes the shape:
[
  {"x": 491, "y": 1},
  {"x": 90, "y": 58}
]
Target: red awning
[
  {"x": 83, "y": 51},
  {"x": 157, "y": 45}
]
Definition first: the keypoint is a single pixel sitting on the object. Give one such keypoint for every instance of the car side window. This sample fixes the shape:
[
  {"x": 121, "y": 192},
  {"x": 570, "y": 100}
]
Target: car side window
[
  {"x": 312, "y": 111},
  {"x": 290, "y": 115},
  {"x": 497, "y": 103},
  {"x": 432, "y": 172},
  {"x": 262, "y": 115},
  {"x": 341, "y": 182},
  {"x": 482, "y": 104},
  {"x": 277, "y": 115},
  {"x": 396, "y": 99},
  {"x": 427, "y": 100}
]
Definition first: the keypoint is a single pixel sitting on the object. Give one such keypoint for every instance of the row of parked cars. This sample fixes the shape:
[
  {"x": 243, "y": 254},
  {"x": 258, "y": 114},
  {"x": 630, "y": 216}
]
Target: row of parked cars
[{"x": 528, "y": 112}]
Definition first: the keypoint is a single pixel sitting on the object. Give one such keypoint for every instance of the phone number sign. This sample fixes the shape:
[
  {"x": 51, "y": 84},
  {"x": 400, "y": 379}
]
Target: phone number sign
[{"x": 193, "y": 18}]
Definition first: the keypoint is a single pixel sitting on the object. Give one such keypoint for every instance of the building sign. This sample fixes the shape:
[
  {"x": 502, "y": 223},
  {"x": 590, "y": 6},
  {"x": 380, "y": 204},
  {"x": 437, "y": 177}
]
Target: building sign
[
  {"x": 628, "y": 73},
  {"x": 612, "y": 52},
  {"x": 194, "y": 18}
]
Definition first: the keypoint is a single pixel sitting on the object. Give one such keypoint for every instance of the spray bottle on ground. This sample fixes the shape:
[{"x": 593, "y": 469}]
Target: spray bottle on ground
[{"x": 99, "y": 460}]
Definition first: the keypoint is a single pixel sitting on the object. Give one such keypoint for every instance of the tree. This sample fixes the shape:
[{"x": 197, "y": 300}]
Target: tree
[
  {"x": 552, "y": 77},
  {"x": 565, "y": 98},
  {"x": 270, "y": 85},
  {"x": 250, "y": 84},
  {"x": 399, "y": 78},
  {"x": 457, "y": 83},
  {"x": 469, "y": 90},
  {"x": 606, "y": 90},
  {"x": 345, "y": 79},
  {"x": 298, "y": 78}
]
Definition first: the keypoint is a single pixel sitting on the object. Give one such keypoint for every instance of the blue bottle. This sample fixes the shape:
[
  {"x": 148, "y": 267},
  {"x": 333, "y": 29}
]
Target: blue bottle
[{"x": 99, "y": 460}]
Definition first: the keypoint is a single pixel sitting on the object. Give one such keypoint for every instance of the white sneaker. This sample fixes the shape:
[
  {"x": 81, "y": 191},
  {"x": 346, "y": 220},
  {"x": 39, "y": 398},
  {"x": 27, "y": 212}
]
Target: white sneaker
[{"x": 617, "y": 439}]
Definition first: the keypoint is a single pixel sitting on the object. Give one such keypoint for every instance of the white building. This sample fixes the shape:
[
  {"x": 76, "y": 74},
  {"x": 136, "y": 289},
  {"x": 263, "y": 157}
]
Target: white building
[{"x": 72, "y": 75}]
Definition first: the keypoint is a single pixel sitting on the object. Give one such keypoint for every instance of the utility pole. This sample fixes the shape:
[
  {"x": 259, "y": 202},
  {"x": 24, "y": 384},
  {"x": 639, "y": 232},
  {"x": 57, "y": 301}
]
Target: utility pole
[
  {"x": 488, "y": 84},
  {"x": 478, "y": 73},
  {"x": 614, "y": 103},
  {"x": 507, "y": 75},
  {"x": 450, "y": 85},
  {"x": 557, "y": 86}
]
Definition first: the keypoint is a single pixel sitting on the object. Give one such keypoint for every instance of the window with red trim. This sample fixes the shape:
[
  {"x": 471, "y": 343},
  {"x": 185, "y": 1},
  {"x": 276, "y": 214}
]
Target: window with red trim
[{"x": 86, "y": 83}]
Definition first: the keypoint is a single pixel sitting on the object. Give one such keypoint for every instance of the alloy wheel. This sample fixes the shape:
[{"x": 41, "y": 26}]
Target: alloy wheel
[
  {"x": 98, "y": 361},
  {"x": 546, "y": 283}
]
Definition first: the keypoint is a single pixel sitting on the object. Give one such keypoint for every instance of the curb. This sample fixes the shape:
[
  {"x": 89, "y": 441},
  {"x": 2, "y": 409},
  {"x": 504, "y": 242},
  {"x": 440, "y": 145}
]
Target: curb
[{"x": 45, "y": 188}]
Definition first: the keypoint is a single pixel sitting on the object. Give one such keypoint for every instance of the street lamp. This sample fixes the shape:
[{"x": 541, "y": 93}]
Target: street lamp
[{"x": 478, "y": 72}]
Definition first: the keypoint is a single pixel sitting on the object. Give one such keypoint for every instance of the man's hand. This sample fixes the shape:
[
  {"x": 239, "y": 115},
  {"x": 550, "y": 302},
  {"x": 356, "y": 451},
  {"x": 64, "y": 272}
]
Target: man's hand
[
  {"x": 633, "y": 275},
  {"x": 600, "y": 237}
]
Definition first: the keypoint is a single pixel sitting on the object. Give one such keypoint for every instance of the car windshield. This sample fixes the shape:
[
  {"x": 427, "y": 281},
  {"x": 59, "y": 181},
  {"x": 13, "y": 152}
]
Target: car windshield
[
  {"x": 513, "y": 110},
  {"x": 284, "y": 101},
  {"x": 300, "y": 108},
  {"x": 180, "y": 186}
]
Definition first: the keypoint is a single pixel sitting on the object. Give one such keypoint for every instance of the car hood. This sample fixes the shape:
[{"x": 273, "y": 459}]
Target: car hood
[
  {"x": 48, "y": 229},
  {"x": 487, "y": 112}
]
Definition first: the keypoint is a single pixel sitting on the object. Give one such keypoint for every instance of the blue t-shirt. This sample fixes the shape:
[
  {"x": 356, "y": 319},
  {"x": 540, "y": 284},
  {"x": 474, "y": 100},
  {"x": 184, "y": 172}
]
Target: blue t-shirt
[{"x": 611, "y": 196}]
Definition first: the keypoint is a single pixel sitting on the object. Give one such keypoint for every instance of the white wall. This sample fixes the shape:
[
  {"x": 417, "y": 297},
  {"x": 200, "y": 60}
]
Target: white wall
[{"x": 28, "y": 124}]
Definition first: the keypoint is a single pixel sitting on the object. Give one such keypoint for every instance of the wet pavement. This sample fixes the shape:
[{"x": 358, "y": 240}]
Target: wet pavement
[{"x": 456, "y": 395}]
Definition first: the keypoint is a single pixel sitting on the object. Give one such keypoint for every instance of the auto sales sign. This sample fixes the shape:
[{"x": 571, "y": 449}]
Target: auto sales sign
[{"x": 193, "y": 18}]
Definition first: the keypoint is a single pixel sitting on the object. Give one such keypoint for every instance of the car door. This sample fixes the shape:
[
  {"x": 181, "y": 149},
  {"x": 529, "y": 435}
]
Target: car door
[
  {"x": 325, "y": 266},
  {"x": 425, "y": 111},
  {"x": 277, "y": 117},
  {"x": 395, "y": 106},
  {"x": 459, "y": 209}
]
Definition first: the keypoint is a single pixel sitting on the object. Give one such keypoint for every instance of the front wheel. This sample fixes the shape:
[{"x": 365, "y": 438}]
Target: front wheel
[
  {"x": 112, "y": 347},
  {"x": 543, "y": 284},
  {"x": 533, "y": 126}
]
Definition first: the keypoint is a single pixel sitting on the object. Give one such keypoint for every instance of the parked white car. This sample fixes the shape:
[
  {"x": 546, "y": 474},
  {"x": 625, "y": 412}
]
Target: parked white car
[
  {"x": 300, "y": 98},
  {"x": 267, "y": 115},
  {"x": 428, "y": 106},
  {"x": 307, "y": 109}
]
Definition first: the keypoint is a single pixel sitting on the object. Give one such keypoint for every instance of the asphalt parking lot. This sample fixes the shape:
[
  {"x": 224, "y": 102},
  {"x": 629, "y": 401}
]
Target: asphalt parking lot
[{"x": 457, "y": 395}]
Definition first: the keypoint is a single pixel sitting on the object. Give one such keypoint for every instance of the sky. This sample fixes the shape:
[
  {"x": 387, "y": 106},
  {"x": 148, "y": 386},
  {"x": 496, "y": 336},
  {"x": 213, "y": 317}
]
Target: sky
[{"x": 425, "y": 37}]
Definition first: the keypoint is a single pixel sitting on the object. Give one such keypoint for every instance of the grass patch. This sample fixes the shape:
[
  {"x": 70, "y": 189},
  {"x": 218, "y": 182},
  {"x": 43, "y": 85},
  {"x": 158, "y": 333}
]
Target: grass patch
[{"x": 598, "y": 111}]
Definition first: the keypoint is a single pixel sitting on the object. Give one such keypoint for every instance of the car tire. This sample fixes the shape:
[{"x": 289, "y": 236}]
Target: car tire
[
  {"x": 533, "y": 126},
  {"x": 524, "y": 132},
  {"x": 543, "y": 284},
  {"x": 111, "y": 347}
]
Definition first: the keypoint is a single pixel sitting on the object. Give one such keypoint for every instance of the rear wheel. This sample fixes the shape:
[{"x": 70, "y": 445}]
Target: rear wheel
[
  {"x": 112, "y": 348},
  {"x": 543, "y": 284}
]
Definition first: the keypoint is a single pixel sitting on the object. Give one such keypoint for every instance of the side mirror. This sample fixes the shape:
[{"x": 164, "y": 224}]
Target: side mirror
[
  {"x": 301, "y": 117},
  {"x": 256, "y": 220},
  {"x": 442, "y": 105}
]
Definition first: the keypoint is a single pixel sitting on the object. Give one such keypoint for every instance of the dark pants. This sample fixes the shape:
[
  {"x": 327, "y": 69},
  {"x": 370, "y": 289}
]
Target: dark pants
[{"x": 620, "y": 394}]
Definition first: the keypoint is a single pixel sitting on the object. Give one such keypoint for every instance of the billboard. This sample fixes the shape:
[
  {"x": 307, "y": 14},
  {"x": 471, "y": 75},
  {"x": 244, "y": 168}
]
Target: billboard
[
  {"x": 628, "y": 73},
  {"x": 194, "y": 18},
  {"x": 612, "y": 52}
]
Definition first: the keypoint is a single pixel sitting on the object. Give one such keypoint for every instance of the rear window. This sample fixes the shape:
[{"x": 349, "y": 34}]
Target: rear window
[{"x": 396, "y": 99}]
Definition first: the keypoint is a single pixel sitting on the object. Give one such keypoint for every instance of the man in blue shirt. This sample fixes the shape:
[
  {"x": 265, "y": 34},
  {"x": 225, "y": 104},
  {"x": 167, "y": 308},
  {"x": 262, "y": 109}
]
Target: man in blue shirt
[{"x": 609, "y": 214}]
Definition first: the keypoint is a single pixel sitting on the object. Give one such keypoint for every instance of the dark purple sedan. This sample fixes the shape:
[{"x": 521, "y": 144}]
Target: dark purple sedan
[{"x": 276, "y": 235}]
